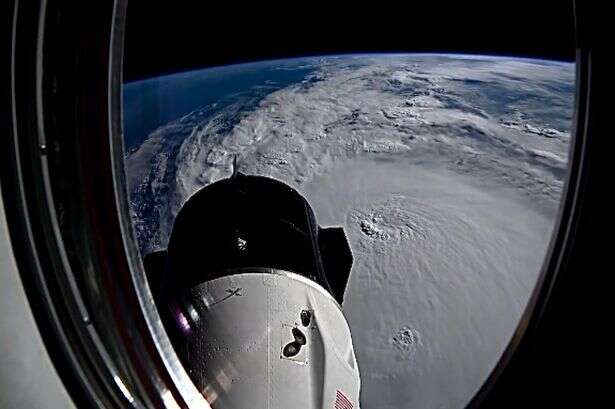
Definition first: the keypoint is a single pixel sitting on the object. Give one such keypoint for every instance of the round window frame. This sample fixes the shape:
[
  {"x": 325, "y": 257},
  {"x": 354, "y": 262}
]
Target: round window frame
[{"x": 95, "y": 371}]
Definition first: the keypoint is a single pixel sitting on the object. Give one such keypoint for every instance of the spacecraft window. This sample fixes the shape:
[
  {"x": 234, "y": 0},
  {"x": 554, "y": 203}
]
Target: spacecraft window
[
  {"x": 446, "y": 172},
  {"x": 443, "y": 173}
]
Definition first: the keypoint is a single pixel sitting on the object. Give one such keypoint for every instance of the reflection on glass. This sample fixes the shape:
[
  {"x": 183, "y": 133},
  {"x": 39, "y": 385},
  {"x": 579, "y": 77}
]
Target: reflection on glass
[{"x": 445, "y": 171}]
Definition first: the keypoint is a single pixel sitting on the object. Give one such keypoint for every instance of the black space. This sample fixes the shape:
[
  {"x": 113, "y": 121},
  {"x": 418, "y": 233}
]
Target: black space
[{"x": 167, "y": 37}]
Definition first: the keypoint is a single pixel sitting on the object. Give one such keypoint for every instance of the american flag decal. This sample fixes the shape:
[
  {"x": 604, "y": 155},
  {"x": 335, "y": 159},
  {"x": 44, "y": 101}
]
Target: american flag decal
[{"x": 341, "y": 401}]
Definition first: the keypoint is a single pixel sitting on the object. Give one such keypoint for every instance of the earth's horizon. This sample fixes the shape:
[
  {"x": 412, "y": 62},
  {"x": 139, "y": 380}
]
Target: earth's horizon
[{"x": 445, "y": 170}]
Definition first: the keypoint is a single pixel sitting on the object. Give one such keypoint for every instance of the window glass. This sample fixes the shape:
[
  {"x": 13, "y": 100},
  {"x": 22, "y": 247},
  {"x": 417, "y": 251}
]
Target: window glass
[{"x": 444, "y": 170}]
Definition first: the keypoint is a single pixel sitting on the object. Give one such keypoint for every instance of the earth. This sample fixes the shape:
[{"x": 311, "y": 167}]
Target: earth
[{"x": 446, "y": 172}]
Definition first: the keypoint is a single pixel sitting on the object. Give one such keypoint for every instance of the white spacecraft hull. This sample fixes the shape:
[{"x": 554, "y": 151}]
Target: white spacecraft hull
[{"x": 238, "y": 326}]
